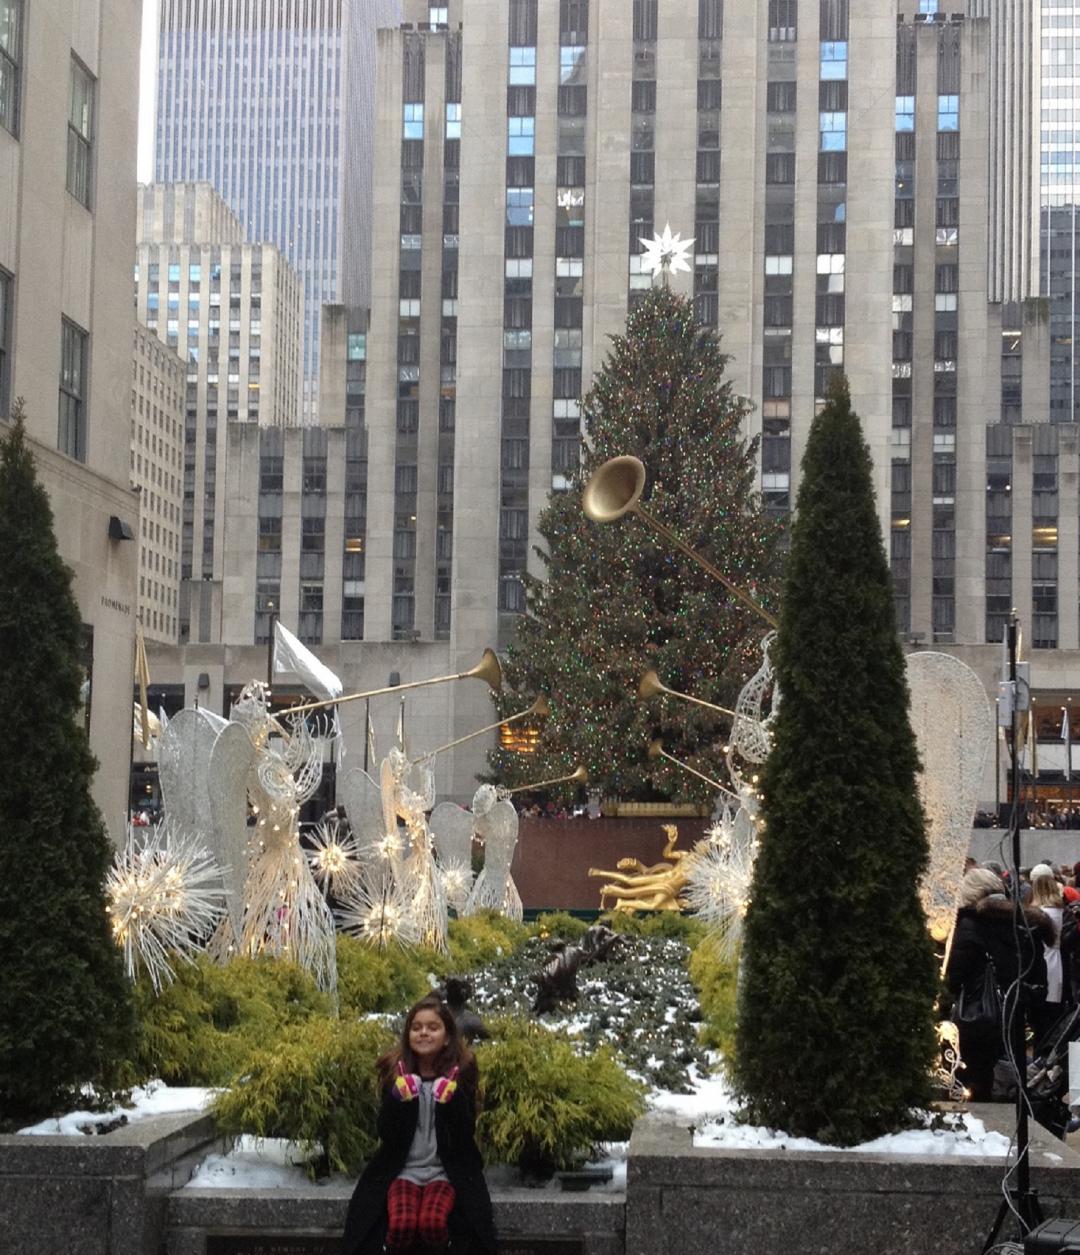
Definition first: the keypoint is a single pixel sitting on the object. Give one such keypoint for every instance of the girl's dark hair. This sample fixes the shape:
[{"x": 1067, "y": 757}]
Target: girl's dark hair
[{"x": 455, "y": 1053}]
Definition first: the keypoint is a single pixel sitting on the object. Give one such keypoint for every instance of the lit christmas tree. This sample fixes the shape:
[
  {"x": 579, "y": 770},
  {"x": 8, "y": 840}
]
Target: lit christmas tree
[{"x": 616, "y": 601}]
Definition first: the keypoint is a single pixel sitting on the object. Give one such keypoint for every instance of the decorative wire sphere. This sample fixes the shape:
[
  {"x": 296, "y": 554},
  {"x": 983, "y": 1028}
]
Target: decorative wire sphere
[
  {"x": 718, "y": 888},
  {"x": 334, "y": 856},
  {"x": 375, "y": 910},
  {"x": 165, "y": 897},
  {"x": 457, "y": 879}
]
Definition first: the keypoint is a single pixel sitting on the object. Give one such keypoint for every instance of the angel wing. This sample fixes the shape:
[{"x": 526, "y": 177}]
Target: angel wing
[
  {"x": 452, "y": 827},
  {"x": 362, "y": 799},
  {"x": 499, "y": 830},
  {"x": 183, "y": 762},
  {"x": 230, "y": 765}
]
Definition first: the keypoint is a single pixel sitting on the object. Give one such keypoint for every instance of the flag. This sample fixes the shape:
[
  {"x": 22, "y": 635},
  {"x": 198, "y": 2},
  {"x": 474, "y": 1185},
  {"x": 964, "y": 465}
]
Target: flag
[
  {"x": 142, "y": 677},
  {"x": 401, "y": 726},
  {"x": 370, "y": 738},
  {"x": 291, "y": 656},
  {"x": 1066, "y": 736},
  {"x": 1032, "y": 743}
]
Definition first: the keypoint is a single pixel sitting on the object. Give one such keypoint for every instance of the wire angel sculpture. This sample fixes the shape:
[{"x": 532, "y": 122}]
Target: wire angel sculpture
[
  {"x": 496, "y": 824},
  {"x": 164, "y": 899},
  {"x": 954, "y": 731}
]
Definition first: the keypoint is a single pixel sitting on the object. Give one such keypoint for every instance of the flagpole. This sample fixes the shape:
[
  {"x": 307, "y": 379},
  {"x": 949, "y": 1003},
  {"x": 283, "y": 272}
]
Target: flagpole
[{"x": 367, "y": 732}]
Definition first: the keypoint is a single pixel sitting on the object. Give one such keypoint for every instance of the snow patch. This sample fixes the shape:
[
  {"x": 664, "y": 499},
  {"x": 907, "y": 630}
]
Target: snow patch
[{"x": 155, "y": 1098}]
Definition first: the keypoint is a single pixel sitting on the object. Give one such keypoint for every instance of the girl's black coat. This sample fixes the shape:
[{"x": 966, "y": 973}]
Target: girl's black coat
[{"x": 472, "y": 1230}]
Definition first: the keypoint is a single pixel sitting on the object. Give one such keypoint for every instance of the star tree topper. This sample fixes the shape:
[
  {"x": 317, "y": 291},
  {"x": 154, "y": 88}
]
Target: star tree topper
[{"x": 665, "y": 254}]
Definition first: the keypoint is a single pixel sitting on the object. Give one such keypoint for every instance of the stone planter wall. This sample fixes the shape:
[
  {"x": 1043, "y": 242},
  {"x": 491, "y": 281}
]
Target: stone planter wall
[
  {"x": 683, "y": 1200},
  {"x": 97, "y": 1195}
]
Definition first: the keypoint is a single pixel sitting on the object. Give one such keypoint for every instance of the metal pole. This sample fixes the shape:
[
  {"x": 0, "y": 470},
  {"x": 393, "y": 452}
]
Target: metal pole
[{"x": 367, "y": 733}]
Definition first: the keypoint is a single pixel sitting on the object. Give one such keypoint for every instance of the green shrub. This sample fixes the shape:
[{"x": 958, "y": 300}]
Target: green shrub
[
  {"x": 545, "y": 1106},
  {"x": 560, "y": 924},
  {"x": 477, "y": 940},
  {"x": 202, "y": 1028},
  {"x": 316, "y": 1086},
  {"x": 371, "y": 979},
  {"x": 670, "y": 924},
  {"x": 716, "y": 981}
]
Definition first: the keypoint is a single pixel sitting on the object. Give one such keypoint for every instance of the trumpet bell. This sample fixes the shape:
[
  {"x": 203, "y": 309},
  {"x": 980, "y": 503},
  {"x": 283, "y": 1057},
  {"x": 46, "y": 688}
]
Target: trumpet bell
[
  {"x": 656, "y": 749},
  {"x": 541, "y": 708},
  {"x": 488, "y": 669},
  {"x": 581, "y": 775},
  {"x": 650, "y": 686},
  {"x": 613, "y": 489}
]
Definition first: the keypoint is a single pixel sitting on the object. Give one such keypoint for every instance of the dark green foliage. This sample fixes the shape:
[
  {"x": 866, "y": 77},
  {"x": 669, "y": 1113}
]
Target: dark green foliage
[
  {"x": 835, "y": 1033},
  {"x": 561, "y": 925},
  {"x": 65, "y": 1003},
  {"x": 203, "y": 1028},
  {"x": 616, "y": 601},
  {"x": 638, "y": 1002},
  {"x": 315, "y": 1085},
  {"x": 545, "y": 1106}
]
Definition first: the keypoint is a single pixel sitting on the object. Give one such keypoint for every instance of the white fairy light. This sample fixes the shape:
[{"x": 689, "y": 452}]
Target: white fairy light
[
  {"x": 164, "y": 899},
  {"x": 718, "y": 888},
  {"x": 457, "y": 879}
]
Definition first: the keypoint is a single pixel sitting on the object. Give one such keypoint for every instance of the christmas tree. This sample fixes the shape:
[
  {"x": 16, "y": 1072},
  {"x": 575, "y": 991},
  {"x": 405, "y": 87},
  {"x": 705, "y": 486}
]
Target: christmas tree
[
  {"x": 616, "y": 601},
  {"x": 66, "y": 1003},
  {"x": 835, "y": 1031}
]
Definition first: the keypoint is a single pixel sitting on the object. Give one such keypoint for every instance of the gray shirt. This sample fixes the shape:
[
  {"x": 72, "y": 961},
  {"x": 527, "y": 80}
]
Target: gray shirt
[{"x": 423, "y": 1164}]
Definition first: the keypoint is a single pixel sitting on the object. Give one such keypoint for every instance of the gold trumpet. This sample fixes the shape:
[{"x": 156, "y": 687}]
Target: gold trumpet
[
  {"x": 580, "y": 775},
  {"x": 652, "y": 686},
  {"x": 539, "y": 709},
  {"x": 656, "y": 750},
  {"x": 615, "y": 489},
  {"x": 487, "y": 669}
]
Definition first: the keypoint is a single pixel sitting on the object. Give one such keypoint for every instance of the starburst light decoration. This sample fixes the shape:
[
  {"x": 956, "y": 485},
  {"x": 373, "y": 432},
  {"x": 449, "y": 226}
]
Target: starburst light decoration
[
  {"x": 334, "y": 857},
  {"x": 377, "y": 911},
  {"x": 665, "y": 254},
  {"x": 718, "y": 887},
  {"x": 164, "y": 899},
  {"x": 457, "y": 880}
]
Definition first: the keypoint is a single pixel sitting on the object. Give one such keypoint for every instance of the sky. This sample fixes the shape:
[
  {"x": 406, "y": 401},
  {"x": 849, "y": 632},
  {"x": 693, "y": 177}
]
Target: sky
[{"x": 146, "y": 92}]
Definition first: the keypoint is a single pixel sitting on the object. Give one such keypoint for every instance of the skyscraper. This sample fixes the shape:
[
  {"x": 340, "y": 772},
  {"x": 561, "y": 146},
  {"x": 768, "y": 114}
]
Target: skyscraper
[{"x": 272, "y": 104}]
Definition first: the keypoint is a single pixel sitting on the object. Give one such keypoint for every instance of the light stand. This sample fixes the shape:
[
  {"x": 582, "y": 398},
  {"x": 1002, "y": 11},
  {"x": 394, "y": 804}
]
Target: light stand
[{"x": 1020, "y": 1200}]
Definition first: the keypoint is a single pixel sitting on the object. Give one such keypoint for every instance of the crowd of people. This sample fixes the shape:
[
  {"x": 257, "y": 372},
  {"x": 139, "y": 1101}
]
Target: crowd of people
[{"x": 1034, "y": 964}]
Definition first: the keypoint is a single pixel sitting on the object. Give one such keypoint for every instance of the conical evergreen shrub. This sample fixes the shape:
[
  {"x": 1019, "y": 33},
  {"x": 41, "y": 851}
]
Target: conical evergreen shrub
[
  {"x": 835, "y": 1030},
  {"x": 65, "y": 1003}
]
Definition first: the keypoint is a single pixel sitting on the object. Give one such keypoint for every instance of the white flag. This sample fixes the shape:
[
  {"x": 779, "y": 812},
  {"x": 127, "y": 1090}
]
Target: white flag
[
  {"x": 290, "y": 656},
  {"x": 370, "y": 739},
  {"x": 1066, "y": 733}
]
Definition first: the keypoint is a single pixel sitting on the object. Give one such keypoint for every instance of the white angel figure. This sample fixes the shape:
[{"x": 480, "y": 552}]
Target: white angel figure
[
  {"x": 452, "y": 828},
  {"x": 496, "y": 824}
]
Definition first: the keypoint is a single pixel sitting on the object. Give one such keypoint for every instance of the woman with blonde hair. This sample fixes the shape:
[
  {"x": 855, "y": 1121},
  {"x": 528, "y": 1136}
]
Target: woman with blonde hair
[
  {"x": 1046, "y": 894},
  {"x": 985, "y": 934}
]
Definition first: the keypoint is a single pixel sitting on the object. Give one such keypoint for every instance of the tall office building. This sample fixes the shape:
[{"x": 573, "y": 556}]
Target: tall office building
[
  {"x": 67, "y": 236},
  {"x": 272, "y": 105},
  {"x": 232, "y": 310}
]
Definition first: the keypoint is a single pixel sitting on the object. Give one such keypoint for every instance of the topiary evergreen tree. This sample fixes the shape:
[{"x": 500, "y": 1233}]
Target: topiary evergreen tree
[
  {"x": 835, "y": 1032},
  {"x": 615, "y": 600},
  {"x": 65, "y": 1003}
]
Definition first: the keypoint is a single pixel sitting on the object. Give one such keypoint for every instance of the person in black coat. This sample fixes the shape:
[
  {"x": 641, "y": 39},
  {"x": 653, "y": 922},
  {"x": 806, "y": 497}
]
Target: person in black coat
[
  {"x": 424, "y": 1188},
  {"x": 984, "y": 934}
]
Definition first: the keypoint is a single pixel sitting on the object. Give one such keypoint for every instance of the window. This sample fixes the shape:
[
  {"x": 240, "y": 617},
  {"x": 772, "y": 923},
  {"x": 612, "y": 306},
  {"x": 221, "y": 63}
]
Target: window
[
  {"x": 948, "y": 113},
  {"x": 413, "y": 122},
  {"x": 522, "y": 66},
  {"x": 905, "y": 113},
  {"x": 834, "y": 59},
  {"x": 782, "y": 20},
  {"x": 80, "y": 133},
  {"x": 453, "y": 119},
  {"x": 71, "y": 430},
  {"x": 520, "y": 132},
  {"x": 833, "y": 132},
  {"x": 10, "y": 21},
  {"x": 437, "y": 14},
  {"x": 519, "y": 206},
  {"x": 7, "y": 284}
]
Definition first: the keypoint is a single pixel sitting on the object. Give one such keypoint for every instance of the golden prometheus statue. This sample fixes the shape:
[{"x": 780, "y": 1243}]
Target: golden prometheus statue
[{"x": 635, "y": 887}]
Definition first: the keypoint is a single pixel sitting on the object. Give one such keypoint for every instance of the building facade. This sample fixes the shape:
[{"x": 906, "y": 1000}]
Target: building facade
[
  {"x": 272, "y": 104},
  {"x": 157, "y": 472},
  {"x": 67, "y": 235},
  {"x": 233, "y": 311}
]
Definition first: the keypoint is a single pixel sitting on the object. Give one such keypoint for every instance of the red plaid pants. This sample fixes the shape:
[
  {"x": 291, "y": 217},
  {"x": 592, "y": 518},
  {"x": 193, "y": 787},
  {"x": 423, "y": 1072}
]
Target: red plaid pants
[{"x": 418, "y": 1213}]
